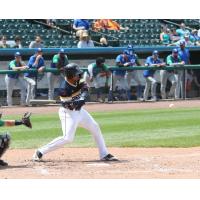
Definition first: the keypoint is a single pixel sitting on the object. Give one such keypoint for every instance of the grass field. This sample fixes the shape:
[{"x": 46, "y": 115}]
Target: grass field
[{"x": 139, "y": 128}]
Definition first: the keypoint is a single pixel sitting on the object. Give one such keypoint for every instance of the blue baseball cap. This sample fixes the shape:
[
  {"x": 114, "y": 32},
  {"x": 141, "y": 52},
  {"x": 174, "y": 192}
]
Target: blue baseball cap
[
  {"x": 62, "y": 50},
  {"x": 126, "y": 52},
  {"x": 175, "y": 51},
  {"x": 155, "y": 52},
  {"x": 182, "y": 42},
  {"x": 38, "y": 50},
  {"x": 17, "y": 54},
  {"x": 130, "y": 47}
]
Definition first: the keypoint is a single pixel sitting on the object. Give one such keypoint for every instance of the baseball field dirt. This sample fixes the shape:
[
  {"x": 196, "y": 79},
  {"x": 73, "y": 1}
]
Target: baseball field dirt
[{"x": 82, "y": 163}]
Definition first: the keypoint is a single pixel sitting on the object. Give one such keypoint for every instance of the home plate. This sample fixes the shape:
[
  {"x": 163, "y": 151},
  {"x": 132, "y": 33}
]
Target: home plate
[
  {"x": 43, "y": 171},
  {"x": 99, "y": 164}
]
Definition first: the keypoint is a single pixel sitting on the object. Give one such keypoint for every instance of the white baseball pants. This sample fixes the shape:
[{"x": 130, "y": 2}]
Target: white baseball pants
[
  {"x": 30, "y": 89},
  {"x": 150, "y": 83},
  {"x": 70, "y": 120},
  {"x": 164, "y": 75},
  {"x": 10, "y": 84}
]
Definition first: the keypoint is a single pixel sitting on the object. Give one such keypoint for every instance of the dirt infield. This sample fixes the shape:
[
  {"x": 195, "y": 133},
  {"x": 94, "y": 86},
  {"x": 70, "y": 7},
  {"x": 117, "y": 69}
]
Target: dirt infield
[{"x": 83, "y": 162}]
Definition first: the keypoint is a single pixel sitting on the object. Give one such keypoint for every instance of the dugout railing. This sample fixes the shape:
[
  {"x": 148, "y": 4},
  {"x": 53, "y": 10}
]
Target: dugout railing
[{"x": 113, "y": 68}]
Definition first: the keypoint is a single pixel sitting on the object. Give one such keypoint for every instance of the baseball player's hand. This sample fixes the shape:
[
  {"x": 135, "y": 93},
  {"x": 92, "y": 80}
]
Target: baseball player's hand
[
  {"x": 38, "y": 57},
  {"x": 103, "y": 74},
  {"x": 26, "y": 120},
  {"x": 126, "y": 64},
  {"x": 78, "y": 103},
  {"x": 157, "y": 65},
  {"x": 24, "y": 67},
  {"x": 61, "y": 69},
  {"x": 41, "y": 69}
]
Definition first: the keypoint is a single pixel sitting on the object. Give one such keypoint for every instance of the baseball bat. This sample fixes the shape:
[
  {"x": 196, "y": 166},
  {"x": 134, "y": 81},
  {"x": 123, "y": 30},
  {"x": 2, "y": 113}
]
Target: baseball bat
[
  {"x": 46, "y": 101},
  {"x": 43, "y": 101}
]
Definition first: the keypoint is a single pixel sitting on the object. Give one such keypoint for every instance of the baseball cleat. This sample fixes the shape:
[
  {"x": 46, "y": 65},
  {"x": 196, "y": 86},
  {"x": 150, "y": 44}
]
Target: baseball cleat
[
  {"x": 109, "y": 157},
  {"x": 3, "y": 163},
  {"x": 37, "y": 156}
]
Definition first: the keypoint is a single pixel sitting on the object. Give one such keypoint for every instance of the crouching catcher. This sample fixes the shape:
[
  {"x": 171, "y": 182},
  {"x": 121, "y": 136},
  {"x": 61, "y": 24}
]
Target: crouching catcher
[{"x": 5, "y": 137}]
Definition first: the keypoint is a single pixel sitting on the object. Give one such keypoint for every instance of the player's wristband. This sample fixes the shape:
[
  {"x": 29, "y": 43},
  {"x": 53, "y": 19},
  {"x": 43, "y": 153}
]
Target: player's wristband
[
  {"x": 18, "y": 122},
  {"x": 84, "y": 95}
]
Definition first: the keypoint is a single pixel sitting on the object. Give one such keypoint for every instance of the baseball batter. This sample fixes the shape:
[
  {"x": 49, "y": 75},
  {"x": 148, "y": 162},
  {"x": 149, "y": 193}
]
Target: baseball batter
[
  {"x": 73, "y": 94},
  {"x": 5, "y": 137}
]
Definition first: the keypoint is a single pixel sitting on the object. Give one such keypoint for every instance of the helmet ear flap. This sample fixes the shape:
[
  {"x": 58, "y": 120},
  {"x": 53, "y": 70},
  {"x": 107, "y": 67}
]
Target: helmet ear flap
[{"x": 72, "y": 70}]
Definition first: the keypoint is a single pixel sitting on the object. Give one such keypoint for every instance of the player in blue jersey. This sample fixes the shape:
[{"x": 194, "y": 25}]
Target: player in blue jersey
[
  {"x": 35, "y": 62},
  {"x": 151, "y": 61},
  {"x": 118, "y": 77},
  {"x": 133, "y": 60},
  {"x": 184, "y": 54}
]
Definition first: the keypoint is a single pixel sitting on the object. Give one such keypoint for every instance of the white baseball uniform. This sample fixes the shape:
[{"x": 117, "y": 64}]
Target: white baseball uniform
[
  {"x": 12, "y": 80},
  {"x": 71, "y": 119}
]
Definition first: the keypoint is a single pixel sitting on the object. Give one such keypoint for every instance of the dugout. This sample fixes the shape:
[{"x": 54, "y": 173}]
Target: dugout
[
  {"x": 84, "y": 57},
  {"x": 92, "y": 53}
]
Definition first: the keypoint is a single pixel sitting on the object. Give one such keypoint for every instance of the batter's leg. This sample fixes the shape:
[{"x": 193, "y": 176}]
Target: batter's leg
[
  {"x": 69, "y": 122},
  {"x": 87, "y": 122}
]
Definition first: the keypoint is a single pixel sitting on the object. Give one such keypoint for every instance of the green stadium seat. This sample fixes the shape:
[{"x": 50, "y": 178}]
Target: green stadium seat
[
  {"x": 141, "y": 32},
  {"x": 11, "y": 37},
  {"x": 26, "y": 43}
]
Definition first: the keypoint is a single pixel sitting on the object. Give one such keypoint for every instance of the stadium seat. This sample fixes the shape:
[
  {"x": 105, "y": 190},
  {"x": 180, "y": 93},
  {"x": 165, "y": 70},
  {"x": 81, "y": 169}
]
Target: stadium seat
[{"x": 141, "y": 31}]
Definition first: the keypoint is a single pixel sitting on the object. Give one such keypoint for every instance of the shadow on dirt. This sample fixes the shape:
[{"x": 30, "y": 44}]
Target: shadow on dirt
[
  {"x": 14, "y": 167},
  {"x": 78, "y": 161}
]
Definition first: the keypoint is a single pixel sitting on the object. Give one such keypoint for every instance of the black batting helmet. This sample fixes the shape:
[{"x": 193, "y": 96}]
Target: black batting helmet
[{"x": 72, "y": 70}]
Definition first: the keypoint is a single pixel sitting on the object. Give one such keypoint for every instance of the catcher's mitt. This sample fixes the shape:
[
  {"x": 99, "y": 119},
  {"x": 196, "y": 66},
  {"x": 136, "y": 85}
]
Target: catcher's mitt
[{"x": 26, "y": 120}]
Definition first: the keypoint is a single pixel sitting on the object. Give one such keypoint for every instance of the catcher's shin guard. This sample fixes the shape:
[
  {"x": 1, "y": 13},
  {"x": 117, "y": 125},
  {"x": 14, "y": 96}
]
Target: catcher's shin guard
[{"x": 4, "y": 143}]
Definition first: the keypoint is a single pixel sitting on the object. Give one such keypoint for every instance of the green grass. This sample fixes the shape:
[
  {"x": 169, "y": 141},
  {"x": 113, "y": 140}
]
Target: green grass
[{"x": 138, "y": 128}]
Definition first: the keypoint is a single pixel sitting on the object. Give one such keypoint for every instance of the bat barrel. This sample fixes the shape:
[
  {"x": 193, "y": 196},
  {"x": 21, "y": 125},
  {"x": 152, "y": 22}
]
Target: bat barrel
[{"x": 42, "y": 102}]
